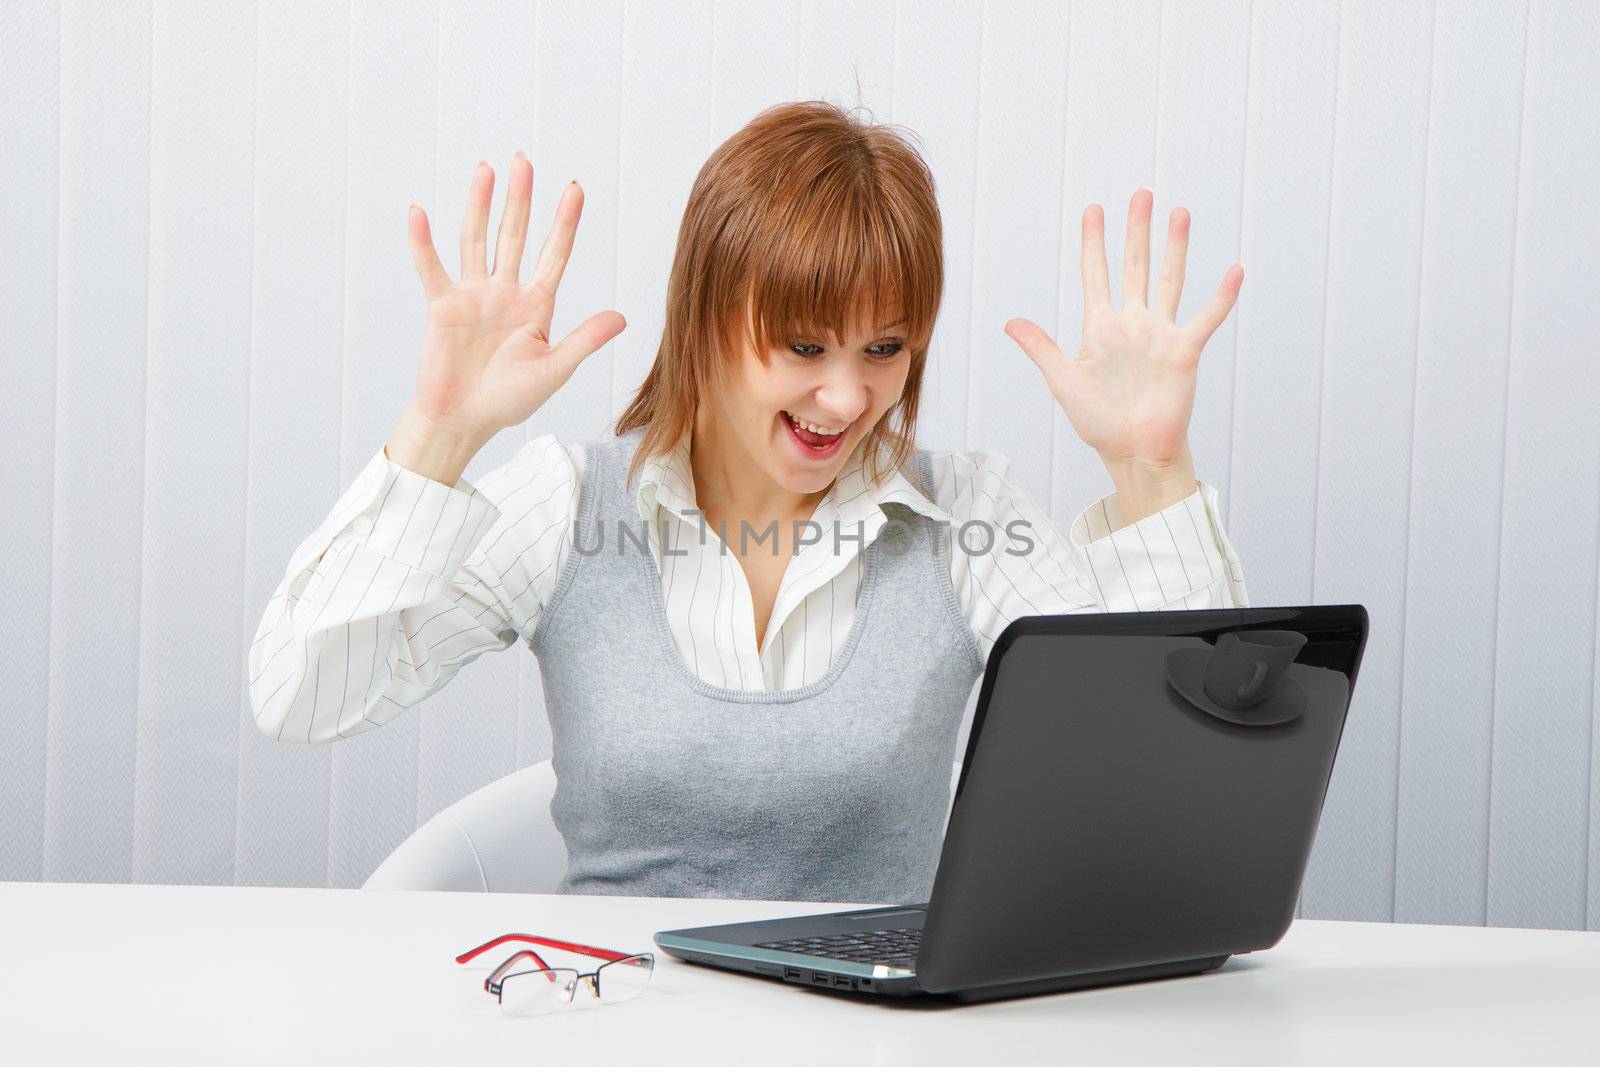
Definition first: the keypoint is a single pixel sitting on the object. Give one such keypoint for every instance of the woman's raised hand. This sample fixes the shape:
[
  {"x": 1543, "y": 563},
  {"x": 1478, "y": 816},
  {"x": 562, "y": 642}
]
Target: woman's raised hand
[
  {"x": 1130, "y": 392},
  {"x": 487, "y": 362}
]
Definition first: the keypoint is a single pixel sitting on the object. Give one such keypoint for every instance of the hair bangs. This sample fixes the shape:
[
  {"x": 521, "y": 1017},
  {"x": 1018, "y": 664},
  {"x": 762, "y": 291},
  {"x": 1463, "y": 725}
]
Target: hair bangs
[{"x": 845, "y": 266}]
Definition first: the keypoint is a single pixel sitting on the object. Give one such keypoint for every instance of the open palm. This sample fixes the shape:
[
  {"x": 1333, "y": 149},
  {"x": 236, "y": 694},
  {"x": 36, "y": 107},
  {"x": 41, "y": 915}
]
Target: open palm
[
  {"x": 1130, "y": 391},
  {"x": 487, "y": 362}
]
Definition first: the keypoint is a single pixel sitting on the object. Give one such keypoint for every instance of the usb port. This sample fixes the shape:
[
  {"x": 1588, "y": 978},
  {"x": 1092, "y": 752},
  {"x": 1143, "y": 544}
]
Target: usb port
[
  {"x": 790, "y": 972},
  {"x": 838, "y": 980},
  {"x": 820, "y": 979}
]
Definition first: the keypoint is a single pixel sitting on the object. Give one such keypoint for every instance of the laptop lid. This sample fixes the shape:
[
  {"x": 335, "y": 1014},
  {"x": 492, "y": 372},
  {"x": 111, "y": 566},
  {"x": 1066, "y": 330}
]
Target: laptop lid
[{"x": 1139, "y": 787}]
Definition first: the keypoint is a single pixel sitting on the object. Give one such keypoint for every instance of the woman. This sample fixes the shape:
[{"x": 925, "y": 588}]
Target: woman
[{"x": 756, "y": 629}]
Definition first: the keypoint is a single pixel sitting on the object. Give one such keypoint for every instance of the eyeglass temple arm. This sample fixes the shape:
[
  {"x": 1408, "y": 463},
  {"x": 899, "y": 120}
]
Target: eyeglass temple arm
[{"x": 568, "y": 946}]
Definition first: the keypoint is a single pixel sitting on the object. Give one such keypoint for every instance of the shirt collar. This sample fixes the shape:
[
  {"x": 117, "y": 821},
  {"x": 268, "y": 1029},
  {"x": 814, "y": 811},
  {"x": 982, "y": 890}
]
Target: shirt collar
[{"x": 668, "y": 481}]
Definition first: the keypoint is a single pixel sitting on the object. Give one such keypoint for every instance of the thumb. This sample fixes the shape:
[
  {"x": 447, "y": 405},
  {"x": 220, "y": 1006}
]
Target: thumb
[
  {"x": 1037, "y": 345},
  {"x": 587, "y": 337}
]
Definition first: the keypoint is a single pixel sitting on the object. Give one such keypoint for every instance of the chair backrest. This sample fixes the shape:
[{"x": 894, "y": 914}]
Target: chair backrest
[{"x": 497, "y": 839}]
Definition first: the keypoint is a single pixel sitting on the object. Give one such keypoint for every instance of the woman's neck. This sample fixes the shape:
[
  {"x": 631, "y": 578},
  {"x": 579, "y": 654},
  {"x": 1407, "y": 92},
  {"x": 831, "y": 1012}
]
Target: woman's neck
[{"x": 731, "y": 488}]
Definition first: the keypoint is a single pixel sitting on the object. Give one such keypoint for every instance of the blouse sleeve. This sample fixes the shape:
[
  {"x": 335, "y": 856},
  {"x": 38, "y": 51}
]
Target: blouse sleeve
[
  {"x": 1011, "y": 561},
  {"x": 406, "y": 581}
]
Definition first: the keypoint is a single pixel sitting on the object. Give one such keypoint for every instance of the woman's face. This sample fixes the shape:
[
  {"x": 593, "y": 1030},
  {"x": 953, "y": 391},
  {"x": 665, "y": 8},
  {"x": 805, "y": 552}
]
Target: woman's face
[{"x": 839, "y": 386}]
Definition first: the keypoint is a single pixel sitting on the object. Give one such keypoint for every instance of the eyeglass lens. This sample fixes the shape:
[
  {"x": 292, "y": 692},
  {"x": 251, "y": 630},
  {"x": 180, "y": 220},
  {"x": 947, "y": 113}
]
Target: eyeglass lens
[
  {"x": 530, "y": 992},
  {"x": 534, "y": 991},
  {"x": 624, "y": 979}
]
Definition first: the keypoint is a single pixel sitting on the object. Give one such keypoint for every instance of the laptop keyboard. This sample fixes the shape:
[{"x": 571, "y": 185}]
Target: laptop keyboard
[{"x": 891, "y": 947}]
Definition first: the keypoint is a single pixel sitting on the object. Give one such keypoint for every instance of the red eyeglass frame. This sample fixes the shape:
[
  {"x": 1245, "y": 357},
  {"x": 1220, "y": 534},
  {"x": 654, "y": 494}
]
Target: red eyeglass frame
[{"x": 492, "y": 983}]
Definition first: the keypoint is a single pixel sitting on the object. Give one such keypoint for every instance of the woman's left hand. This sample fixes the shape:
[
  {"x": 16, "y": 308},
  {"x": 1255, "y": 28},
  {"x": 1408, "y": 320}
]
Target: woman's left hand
[{"x": 1130, "y": 391}]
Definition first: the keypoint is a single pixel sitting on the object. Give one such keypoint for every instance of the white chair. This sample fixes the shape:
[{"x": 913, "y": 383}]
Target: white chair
[{"x": 498, "y": 839}]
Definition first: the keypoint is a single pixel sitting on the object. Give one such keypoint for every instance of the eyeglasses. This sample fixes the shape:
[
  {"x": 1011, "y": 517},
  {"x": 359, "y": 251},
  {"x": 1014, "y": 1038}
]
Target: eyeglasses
[{"x": 544, "y": 988}]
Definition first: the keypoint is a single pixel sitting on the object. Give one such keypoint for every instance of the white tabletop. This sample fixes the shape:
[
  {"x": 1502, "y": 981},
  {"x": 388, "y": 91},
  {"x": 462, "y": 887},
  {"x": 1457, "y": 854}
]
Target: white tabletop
[{"x": 222, "y": 974}]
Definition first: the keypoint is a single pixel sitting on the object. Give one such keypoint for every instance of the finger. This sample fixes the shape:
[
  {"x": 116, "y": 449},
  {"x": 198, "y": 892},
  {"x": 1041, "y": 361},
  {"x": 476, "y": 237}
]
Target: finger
[
  {"x": 1092, "y": 260},
  {"x": 513, "y": 232},
  {"x": 475, "y": 226},
  {"x": 435, "y": 281},
  {"x": 1169, "y": 286},
  {"x": 1136, "y": 249},
  {"x": 557, "y": 247},
  {"x": 587, "y": 337},
  {"x": 1038, "y": 346},
  {"x": 1202, "y": 326}
]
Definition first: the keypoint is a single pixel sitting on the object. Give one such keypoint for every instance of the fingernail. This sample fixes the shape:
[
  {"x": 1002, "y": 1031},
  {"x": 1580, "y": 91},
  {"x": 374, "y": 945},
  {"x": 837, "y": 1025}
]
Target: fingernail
[
  {"x": 483, "y": 163},
  {"x": 519, "y": 155}
]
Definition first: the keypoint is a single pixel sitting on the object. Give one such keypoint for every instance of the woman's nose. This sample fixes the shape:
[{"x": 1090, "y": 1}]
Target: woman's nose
[{"x": 843, "y": 394}]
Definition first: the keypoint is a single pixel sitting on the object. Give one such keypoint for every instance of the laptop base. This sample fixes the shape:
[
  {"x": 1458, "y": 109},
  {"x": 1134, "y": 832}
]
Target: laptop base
[
  {"x": 1091, "y": 980},
  {"x": 906, "y": 986}
]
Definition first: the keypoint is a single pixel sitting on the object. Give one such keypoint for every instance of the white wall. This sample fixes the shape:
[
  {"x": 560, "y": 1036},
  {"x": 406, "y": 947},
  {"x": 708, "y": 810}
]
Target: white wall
[{"x": 209, "y": 320}]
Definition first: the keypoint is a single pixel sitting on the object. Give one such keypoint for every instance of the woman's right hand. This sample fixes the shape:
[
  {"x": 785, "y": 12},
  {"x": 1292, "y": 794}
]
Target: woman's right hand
[{"x": 486, "y": 358}]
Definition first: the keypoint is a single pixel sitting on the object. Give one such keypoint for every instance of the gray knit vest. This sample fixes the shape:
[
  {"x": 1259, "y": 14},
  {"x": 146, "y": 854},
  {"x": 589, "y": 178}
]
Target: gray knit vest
[{"x": 667, "y": 785}]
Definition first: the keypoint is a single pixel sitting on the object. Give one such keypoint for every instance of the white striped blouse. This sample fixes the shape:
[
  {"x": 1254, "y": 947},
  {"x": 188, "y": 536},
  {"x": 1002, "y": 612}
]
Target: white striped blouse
[{"x": 407, "y": 580}]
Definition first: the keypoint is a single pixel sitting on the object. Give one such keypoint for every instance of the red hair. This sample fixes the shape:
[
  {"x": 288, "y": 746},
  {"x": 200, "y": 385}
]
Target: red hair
[{"x": 803, "y": 218}]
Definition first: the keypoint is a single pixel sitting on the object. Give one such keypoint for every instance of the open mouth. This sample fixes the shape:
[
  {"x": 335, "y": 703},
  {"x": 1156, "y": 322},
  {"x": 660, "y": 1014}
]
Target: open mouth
[{"x": 812, "y": 439}]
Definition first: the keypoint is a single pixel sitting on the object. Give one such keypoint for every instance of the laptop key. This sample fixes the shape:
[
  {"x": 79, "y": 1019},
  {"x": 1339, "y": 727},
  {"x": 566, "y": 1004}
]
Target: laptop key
[{"x": 893, "y": 947}]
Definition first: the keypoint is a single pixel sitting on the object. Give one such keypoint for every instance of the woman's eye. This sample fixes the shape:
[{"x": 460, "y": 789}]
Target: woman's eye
[{"x": 884, "y": 351}]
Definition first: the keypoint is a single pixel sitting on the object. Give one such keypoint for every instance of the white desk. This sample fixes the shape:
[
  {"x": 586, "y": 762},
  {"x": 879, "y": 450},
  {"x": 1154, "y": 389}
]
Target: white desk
[{"x": 226, "y": 975}]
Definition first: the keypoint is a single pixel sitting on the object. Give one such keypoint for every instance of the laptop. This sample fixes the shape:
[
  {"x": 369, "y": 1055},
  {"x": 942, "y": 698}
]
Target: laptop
[{"x": 1138, "y": 800}]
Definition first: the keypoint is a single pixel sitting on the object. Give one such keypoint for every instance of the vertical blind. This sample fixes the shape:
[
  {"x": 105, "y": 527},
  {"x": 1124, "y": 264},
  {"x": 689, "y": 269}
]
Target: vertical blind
[{"x": 209, "y": 321}]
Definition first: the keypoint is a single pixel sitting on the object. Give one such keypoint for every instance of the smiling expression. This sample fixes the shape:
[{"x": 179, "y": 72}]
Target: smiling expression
[{"x": 800, "y": 414}]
